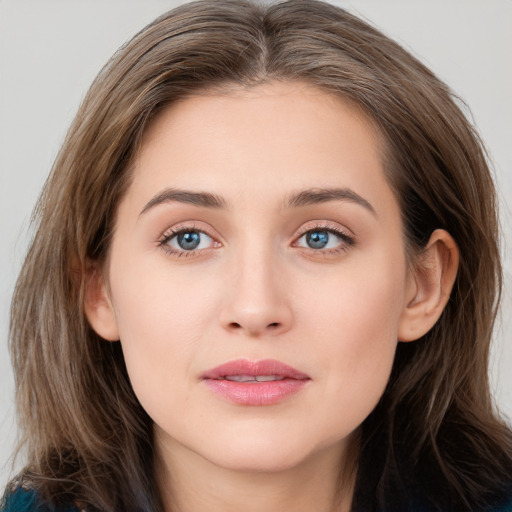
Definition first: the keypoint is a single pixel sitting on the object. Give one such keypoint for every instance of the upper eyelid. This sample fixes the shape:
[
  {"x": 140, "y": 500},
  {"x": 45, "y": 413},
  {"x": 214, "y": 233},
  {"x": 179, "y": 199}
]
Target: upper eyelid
[
  {"x": 174, "y": 233},
  {"x": 326, "y": 226},
  {"x": 193, "y": 227},
  {"x": 183, "y": 227}
]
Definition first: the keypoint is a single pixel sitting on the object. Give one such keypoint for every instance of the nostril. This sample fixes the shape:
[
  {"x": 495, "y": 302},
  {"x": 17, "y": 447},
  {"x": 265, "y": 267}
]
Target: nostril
[
  {"x": 274, "y": 324},
  {"x": 235, "y": 325}
]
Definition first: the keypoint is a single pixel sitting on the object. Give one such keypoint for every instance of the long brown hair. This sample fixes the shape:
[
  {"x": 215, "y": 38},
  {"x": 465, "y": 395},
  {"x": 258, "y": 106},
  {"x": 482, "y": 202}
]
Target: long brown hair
[{"x": 88, "y": 440}]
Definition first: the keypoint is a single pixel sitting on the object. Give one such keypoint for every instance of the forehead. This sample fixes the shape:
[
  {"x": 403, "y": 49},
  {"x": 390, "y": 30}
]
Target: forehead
[
  {"x": 264, "y": 140},
  {"x": 291, "y": 110}
]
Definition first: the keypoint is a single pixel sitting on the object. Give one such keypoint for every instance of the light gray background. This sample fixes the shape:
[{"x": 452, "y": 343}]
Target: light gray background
[{"x": 51, "y": 50}]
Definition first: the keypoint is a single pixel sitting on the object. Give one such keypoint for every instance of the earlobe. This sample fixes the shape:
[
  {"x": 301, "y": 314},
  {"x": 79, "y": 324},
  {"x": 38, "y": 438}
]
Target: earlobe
[
  {"x": 98, "y": 305},
  {"x": 430, "y": 285}
]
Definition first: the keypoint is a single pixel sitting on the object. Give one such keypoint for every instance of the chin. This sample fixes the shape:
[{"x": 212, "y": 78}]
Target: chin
[
  {"x": 263, "y": 452},
  {"x": 255, "y": 459}
]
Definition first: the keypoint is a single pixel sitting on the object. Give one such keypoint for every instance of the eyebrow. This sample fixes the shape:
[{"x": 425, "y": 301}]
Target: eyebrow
[
  {"x": 300, "y": 199},
  {"x": 324, "y": 195},
  {"x": 204, "y": 199}
]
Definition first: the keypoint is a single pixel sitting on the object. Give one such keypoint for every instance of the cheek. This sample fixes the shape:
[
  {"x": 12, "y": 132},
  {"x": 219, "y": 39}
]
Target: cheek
[
  {"x": 362, "y": 303},
  {"x": 158, "y": 304},
  {"x": 356, "y": 322},
  {"x": 162, "y": 317}
]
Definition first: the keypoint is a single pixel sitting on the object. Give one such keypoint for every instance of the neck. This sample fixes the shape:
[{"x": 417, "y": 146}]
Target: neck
[{"x": 190, "y": 483}]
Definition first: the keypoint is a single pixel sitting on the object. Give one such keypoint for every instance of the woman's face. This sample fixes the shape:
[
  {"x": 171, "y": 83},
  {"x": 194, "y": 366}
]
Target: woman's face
[{"x": 257, "y": 276}]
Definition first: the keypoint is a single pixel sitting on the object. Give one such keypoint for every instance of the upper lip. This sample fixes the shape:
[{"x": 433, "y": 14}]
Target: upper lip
[{"x": 246, "y": 367}]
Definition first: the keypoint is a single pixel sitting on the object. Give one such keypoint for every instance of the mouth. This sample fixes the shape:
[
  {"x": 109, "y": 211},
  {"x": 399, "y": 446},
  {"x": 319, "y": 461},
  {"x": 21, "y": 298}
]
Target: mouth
[
  {"x": 252, "y": 378},
  {"x": 245, "y": 382}
]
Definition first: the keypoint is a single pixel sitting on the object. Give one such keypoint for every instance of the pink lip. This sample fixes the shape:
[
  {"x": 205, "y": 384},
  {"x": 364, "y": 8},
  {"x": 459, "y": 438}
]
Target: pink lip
[{"x": 255, "y": 393}]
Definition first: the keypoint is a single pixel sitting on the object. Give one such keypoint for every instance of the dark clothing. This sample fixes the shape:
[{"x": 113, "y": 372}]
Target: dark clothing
[{"x": 22, "y": 500}]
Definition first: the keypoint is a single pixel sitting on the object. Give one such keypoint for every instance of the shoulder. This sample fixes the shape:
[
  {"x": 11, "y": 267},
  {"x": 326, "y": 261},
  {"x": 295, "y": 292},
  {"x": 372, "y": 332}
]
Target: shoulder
[{"x": 28, "y": 500}]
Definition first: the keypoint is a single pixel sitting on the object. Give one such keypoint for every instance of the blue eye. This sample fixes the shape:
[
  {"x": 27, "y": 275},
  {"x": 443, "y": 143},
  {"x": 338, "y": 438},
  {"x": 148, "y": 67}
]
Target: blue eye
[
  {"x": 319, "y": 239},
  {"x": 188, "y": 240}
]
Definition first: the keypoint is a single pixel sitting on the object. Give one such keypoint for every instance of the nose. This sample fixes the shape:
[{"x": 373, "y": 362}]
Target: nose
[{"x": 258, "y": 300}]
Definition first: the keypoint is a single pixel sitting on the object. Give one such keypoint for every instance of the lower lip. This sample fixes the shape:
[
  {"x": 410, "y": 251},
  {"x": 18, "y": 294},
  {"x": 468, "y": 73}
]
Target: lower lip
[{"x": 255, "y": 393}]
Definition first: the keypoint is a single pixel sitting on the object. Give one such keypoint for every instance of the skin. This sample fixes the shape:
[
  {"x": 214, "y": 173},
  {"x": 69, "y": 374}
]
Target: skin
[{"x": 255, "y": 289}]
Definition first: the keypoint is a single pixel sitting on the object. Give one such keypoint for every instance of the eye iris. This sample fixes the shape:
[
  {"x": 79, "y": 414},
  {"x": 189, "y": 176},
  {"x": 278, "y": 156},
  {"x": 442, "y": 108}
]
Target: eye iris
[
  {"x": 317, "y": 239},
  {"x": 189, "y": 240}
]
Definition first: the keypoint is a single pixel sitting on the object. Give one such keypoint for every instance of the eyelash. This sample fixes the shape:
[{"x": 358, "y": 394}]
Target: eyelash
[{"x": 348, "y": 241}]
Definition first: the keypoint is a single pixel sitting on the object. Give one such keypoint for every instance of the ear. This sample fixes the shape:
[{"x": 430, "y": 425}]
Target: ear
[
  {"x": 430, "y": 283},
  {"x": 98, "y": 306}
]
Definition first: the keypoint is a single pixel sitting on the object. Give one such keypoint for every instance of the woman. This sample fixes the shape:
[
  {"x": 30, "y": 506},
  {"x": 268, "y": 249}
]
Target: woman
[{"x": 266, "y": 260}]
